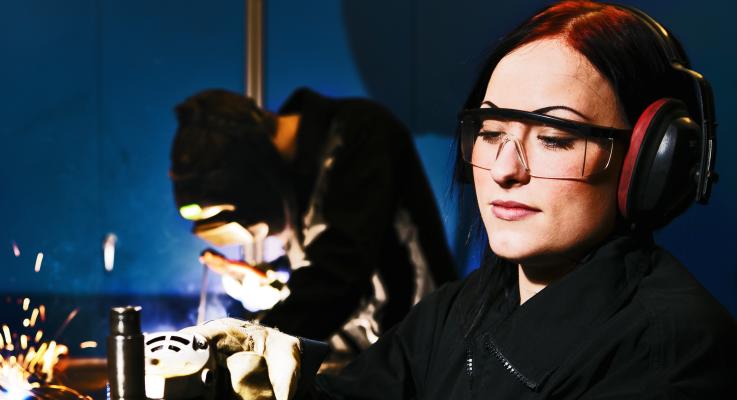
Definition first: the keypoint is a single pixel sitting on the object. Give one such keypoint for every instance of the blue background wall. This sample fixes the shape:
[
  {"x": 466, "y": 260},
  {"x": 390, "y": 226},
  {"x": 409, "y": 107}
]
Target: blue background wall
[{"x": 88, "y": 87}]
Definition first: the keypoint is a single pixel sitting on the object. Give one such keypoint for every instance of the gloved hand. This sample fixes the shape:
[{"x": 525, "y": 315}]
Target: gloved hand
[
  {"x": 263, "y": 362},
  {"x": 246, "y": 283}
]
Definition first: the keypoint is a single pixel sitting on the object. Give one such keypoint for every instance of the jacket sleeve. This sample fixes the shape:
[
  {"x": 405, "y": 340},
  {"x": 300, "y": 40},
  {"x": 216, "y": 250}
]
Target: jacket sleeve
[
  {"x": 700, "y": 357},
  {"x": 355, "y": 213},
  {"x": 396, "y": 367}
]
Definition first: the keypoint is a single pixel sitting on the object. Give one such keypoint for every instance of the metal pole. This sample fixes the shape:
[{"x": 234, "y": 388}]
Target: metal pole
[{"x": 254, "y": 80}]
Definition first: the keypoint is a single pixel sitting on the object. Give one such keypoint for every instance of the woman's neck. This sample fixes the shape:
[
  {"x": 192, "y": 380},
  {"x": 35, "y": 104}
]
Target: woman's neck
[
  {"x": 533, "y": 279},
  {"x": 285, "y": 138}
]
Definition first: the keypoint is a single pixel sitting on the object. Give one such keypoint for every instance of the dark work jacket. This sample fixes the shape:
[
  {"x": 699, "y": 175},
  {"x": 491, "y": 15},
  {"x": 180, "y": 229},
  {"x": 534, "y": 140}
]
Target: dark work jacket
[
  {"x": 365, "y": 215},
  {"x": 628, "y": 323}
]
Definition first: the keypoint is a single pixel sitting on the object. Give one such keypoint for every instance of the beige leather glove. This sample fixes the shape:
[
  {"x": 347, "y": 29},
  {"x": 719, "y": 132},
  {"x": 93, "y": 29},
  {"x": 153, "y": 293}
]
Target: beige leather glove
[{"x": 263, "y": 362}]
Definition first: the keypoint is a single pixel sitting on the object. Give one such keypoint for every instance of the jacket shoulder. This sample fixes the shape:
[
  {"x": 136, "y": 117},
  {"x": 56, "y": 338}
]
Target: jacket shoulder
[
  {"x": 694, "y": 334},
  {"x": 677, "y": 296}
]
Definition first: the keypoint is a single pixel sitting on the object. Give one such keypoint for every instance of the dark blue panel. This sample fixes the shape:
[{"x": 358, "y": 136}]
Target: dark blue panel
[
  {"x": 50, "y": 191},
  {"x": 154, "y": 54},
  {"x": 306, "y": 45},
  {"x": 382, "y": 43},
  {"x": 90, "y": 92}
]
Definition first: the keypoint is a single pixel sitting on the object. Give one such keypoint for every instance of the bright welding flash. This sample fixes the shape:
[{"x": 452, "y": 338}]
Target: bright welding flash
[
  {"x": 191, "y": 212},
  {"x": 194, "y": 212}
]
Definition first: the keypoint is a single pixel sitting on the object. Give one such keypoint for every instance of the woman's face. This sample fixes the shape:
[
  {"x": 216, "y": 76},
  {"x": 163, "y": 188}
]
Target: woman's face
[{"x": 538, "y": 221}]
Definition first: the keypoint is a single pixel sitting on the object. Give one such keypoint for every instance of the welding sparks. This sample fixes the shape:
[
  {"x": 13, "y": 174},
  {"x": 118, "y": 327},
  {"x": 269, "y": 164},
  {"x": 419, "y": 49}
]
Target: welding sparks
[
  {"x": 26, "y": 362},
  {"x": 14, "y": 380},
  {"x": 39, "y": 259},
  {"x": 16, "y": 250},
  {"x": 26, "y": 303},
  {"x": 34, "y": 315},
  {"x": 8, "y": 337},
  {"x": 90, "y": 344},
  {"x": 108, "y": 251},
  {"x": 69, "y": 319}
]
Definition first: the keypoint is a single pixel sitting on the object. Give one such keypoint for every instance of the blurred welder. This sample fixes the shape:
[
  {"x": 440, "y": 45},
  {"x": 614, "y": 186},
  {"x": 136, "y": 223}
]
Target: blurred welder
[{"x": 339, "y": 182}]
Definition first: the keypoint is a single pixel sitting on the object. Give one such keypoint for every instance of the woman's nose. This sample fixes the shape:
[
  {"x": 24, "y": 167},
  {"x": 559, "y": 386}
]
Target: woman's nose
[{"x": 510, "y": 166}]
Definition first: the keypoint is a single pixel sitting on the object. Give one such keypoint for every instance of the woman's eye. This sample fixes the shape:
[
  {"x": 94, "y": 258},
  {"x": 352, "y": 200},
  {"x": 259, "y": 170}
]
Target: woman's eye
[
  {"x": 491, "y": 136},
  {"x": 557, "y": 142}
]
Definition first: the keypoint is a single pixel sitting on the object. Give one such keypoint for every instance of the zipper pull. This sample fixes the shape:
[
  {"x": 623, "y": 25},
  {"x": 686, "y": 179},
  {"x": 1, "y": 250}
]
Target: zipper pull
[{"x": 469, "y": 367}]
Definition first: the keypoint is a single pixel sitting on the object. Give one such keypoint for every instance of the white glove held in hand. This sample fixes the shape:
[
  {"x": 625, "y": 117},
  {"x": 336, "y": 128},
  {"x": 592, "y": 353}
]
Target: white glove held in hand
[{"x": 263, "y": 362}]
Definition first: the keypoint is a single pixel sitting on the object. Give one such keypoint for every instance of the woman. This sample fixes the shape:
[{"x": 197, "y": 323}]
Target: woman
[
  {"x": 574, "y": 158},
  {"x": 578, "y": 301}
]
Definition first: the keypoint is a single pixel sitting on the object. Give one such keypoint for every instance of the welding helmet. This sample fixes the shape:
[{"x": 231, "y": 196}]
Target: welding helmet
[{"x": 224, "y": 165}]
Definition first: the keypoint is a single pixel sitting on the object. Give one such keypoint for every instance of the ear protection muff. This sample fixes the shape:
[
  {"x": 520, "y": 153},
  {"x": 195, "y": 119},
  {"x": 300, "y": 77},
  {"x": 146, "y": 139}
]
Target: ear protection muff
[
  {"x": 670, "y": 160},
  {"x": 658, "y": 178}
]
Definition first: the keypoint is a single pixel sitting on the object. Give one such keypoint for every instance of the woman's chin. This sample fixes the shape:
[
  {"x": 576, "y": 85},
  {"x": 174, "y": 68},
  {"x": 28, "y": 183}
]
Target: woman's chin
[{"x": 514, "y": 246}]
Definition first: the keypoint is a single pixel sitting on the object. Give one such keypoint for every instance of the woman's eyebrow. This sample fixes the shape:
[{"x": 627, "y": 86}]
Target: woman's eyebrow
[{"x": 545, "y": 110}]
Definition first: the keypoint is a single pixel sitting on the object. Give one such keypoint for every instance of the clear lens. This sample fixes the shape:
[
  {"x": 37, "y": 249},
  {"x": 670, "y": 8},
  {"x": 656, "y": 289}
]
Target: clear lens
[{"x": 545, "y": 151}]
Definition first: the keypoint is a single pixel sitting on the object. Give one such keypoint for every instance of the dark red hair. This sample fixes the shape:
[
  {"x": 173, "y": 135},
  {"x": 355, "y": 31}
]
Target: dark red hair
[{"x": 620, "y": 45}]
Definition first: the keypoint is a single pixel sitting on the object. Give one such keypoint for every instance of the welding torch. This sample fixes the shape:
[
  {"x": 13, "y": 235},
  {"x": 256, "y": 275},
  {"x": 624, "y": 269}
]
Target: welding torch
[{"x": 240, "y": 270}]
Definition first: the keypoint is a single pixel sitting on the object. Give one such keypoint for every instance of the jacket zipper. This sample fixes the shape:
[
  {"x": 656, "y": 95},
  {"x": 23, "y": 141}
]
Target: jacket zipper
[
  {"x": 493, "y": 349},
  {"x": 469, "y": 367}
]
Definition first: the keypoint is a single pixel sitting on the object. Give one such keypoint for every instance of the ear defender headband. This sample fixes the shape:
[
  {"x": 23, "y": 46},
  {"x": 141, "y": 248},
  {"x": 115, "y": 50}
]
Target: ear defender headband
[{"x": 670, "y": 160}]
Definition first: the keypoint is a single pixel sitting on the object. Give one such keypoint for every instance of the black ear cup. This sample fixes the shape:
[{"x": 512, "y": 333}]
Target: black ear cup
[{"x": 659, "y": 173}]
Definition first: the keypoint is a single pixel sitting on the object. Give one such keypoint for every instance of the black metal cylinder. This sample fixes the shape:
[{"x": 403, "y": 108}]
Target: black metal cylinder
[{"x": 125, "y": 360}]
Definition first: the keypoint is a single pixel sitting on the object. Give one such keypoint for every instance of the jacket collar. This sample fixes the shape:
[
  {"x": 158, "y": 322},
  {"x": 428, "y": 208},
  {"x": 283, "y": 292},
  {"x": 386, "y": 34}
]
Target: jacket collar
[
  {"x": 536, "y": 336},
  {"x": 316, "y": 112}
]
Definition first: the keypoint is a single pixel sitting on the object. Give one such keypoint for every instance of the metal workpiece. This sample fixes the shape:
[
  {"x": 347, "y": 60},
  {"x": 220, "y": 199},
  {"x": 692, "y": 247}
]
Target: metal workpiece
[{"x": 125, "y": 360}]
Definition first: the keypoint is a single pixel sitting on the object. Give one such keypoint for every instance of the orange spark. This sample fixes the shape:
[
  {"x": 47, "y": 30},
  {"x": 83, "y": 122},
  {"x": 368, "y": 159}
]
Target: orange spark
[
  {"x": 8, "y": 338},
  {"x": 34, "y": 315},
  {"x": 30, "y": 355},
  {"x": 90, "y": 344},
  {"x": 22, "y": 358},
  {"x": 66, "y": 322},
  {"x": 37, "y": 357},
  {"x": 39, "y": 259}
]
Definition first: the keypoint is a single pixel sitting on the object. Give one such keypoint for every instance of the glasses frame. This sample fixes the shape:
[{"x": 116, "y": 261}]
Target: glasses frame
[{"x": 475, "y": 116}]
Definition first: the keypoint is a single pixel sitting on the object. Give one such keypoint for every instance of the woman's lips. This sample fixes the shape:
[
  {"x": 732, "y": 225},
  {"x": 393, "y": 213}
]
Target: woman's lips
[{"x": 511, "y": 210}]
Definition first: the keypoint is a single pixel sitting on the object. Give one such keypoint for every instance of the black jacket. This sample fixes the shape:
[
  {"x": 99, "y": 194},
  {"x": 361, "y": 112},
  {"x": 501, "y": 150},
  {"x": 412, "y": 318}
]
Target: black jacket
[
  {"x": 629, "y": 322},
  {"x": 366, "y": 216}
]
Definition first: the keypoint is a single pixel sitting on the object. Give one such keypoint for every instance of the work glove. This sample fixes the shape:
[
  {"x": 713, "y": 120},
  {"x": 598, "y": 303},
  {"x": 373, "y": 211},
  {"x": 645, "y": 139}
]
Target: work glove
[{"x": 263, "y": 362}]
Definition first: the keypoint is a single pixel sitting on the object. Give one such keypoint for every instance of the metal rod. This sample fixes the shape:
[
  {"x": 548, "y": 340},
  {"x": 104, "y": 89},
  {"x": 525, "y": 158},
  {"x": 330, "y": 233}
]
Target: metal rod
[{"x": 254, "y": 51}]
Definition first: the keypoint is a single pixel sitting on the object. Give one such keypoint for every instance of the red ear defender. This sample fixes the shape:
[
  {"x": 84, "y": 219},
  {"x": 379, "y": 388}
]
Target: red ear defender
[{"x": 658, "y": 179}]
